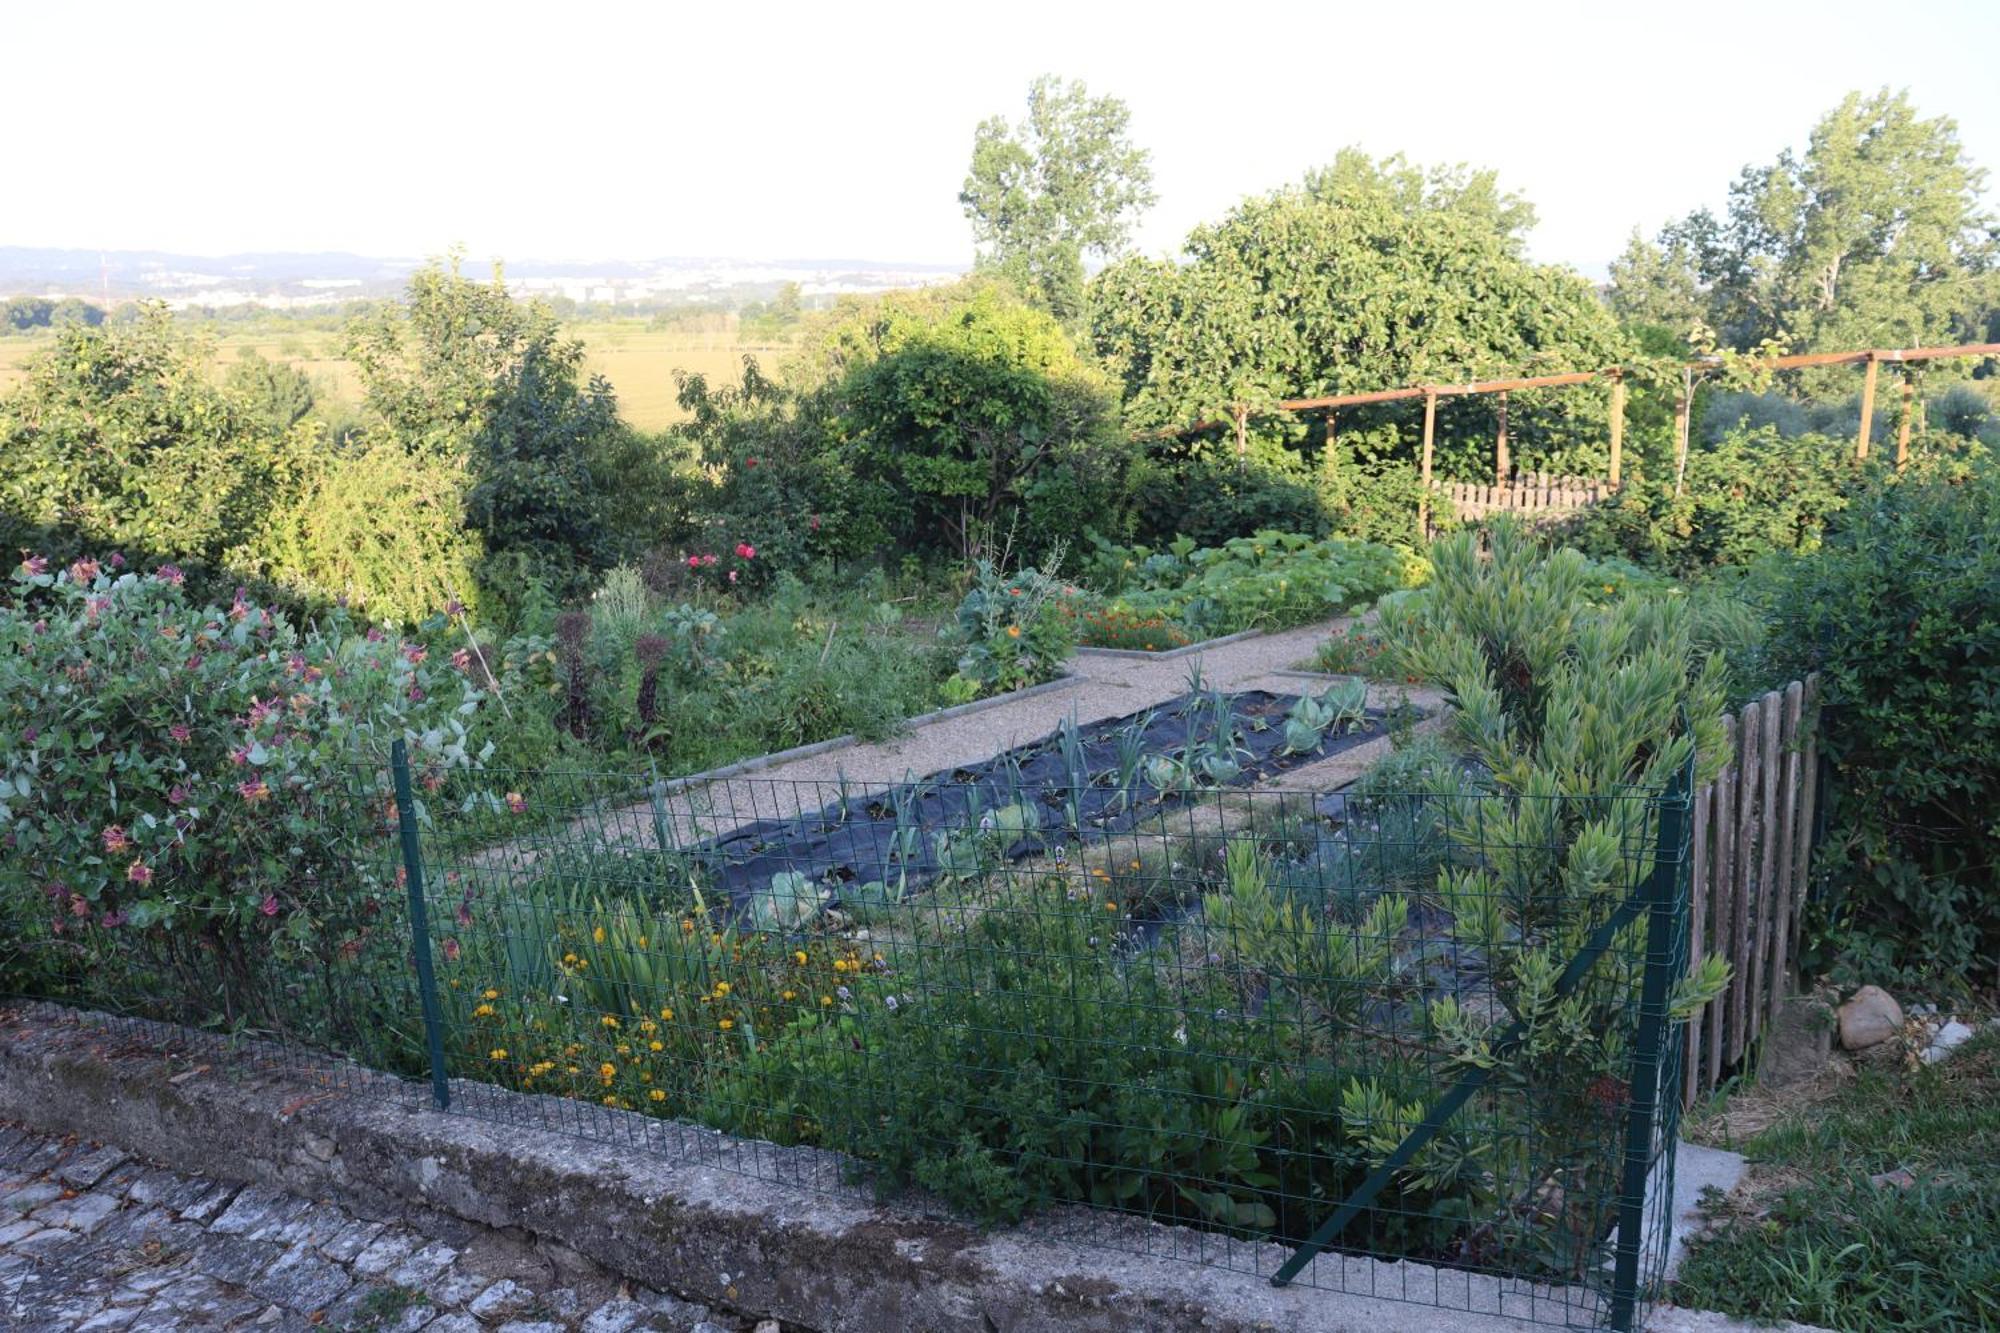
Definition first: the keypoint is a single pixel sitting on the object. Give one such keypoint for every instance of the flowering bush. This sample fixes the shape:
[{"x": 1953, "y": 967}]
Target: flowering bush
[
  {"x": 185, "y": 786},
  {"x": 1014, "y": 630},
  {"x": 1121, "y": 627}
]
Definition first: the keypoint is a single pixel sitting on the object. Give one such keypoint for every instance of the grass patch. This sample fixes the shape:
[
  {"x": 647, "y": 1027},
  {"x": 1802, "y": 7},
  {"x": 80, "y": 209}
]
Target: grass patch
[{"x": 1822, "y": 1244}]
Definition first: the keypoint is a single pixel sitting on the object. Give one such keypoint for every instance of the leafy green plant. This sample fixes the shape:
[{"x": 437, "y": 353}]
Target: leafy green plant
[{"x": 1011, "y": 629}]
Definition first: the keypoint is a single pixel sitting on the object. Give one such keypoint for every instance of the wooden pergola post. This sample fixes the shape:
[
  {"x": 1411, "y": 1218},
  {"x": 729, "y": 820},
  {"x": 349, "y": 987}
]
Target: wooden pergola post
[
  {"x": 1327, "y": 466},
  {"x": 1617, "y": 426},
  {"x": 1501, "y": 463},
  {"x": 1430, "y": 433},
  {"x": 1242, "y": 435},
  {"x": 1909, "y": 411},
  {"x": 1867, "y": 409}
]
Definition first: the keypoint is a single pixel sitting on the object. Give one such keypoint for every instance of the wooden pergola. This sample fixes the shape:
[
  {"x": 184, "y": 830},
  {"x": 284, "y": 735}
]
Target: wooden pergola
[{"x": 1872, "y": 358}]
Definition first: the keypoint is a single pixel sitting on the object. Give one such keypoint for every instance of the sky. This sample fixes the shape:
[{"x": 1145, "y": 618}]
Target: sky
[{"x": 591, "y": 131}]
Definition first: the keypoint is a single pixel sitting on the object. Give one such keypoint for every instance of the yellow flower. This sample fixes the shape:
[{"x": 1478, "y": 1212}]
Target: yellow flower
[
  {"x": 656, "y": 1046},
  {"x": 799, "y": 957},
  {"x": 482, "y": 1011},
  {"x": 657, "y": 1095},
  {"x": 642, "y": 941},
  {"x": 840, "y": 964},
  {"x": 624, "y": 1049},
  {"x": 825, "y": 1000},
  {"x": 667, "y": 1014},
  {"x": 648, "y": 1025},
  {"x": 1013, "y": 631},
  {"x": 598, "y": 934},
  {"x": 721, "y": 988},
  {"x": 491, "y": 995},
  {"x": 687, "y": 927},
  {"x": 1099, "y": 872},
  {"x": 607, "y": 1070},
  {"x": 1110, "y": 906},
  {"x": 609, "y": 1021},
  {"x": 611, "y": 1101},
  {"x": 569, "y": 958},
  {"x": 497, "y": 1053},
  {"x": 726, "y": 1024},
  {"x": 790, "y": 994},
  {"x": 1135, "y": 865}
]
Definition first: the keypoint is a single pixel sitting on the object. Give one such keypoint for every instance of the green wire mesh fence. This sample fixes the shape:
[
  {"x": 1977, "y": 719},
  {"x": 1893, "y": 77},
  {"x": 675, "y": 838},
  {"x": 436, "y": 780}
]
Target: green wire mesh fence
[{"x": 1409, "y": 1044}]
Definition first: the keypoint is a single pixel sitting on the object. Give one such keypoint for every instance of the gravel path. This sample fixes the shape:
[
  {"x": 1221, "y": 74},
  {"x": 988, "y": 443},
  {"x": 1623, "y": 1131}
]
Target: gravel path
[{"x": 95, "y": 1241}]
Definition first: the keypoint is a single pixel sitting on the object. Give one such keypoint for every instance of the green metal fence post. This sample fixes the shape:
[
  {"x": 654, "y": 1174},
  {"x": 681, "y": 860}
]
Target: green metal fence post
[
  {"x": 420, "y": 926},
  {"x": 1664, "y": 887}
]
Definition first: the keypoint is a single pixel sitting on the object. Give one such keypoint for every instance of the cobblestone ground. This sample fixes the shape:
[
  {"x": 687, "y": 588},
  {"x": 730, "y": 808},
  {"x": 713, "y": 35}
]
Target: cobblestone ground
[{"x": 92, "y": 1239}]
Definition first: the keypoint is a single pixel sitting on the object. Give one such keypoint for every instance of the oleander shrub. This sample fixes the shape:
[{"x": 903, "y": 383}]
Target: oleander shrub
[{"x": 192, "y": 792}]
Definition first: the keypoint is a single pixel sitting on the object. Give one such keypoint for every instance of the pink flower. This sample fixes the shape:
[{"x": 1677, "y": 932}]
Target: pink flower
[
  {"x": 178, "y": 795},
  {"x": 710, "y": 559},
  {"x": 240, "y": 755},
  {"x": 171, "y": 575},
  {"x": 745, "y": 551},
  {"x": 114, "y": 839},
  {"x": 260, "y": 711},
  {"x": 815, "y": 522},
  {"x": 732, "y": 576},
  {"x": 517, "y": 803},
  {"x": 694, "y": 562},
  {"x": 35, "y": 564},
  {"x": 254, "y": 792},
  {"x": 451, "y": 950},
  {"x": 374, "y": 634},
  {"x": 415, "y": 653},
  {"x": 118, "y": 560},
  {"x": 139, "y": 873},
  {"x": 295, "y": 664},
  {"x": 416, "y": 694},
  {"x": 240, "y": 608},
  {"x": 750, "y": 462},
  {"x": 270, "y": 905},
  {"x": 112, "y": 920},
  {"x": 96, "y": 606},
  {"x": 78, "y": 907},
  {"x": 85, "y": 570},
  {"x": 462, "y": 659}
]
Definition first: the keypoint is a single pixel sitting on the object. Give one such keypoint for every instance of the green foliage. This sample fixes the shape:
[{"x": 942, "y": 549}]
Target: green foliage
[
  {"x": 1752, "y": 493},
  {"x": 960, "y": 410},
  {"x": 1873, "y": 237},
  {"x": 1825, "y": 1245},
  {"x": 1014, "y": 630},
  {"x": 120, "y": 440},
  {"x": 279, "y": 395},
  {"x": 1202, "y": 493},
  {"x": 467, "y": 375},
  {"x": 185, "y": 787},
  {"x": 1268, "y": 580},
  {"x": 1331, "y": 286},
  {"x": 1063, "y": 186},
  {"x": 1896, "y": 611}
]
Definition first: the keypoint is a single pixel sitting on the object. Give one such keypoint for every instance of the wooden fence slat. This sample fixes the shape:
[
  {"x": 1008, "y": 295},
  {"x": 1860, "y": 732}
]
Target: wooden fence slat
[
  {"x": 1809, "y": 773},
  {"x": 1788, "y": 809},
  {"x": 1698, "y": 894},
  {"x": 1749, "y": 726},
  {"x": 1723, "y": 878},
  {"x": 1770, "y": 764}
]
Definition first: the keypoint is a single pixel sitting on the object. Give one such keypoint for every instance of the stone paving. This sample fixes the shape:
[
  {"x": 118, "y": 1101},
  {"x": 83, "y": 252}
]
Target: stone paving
[{"x": 95, "y": 1241}]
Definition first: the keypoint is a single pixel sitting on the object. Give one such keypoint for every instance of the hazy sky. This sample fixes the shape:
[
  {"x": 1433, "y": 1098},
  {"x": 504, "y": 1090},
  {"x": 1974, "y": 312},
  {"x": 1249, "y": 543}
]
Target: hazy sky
[{"x": 588, "y": 131}]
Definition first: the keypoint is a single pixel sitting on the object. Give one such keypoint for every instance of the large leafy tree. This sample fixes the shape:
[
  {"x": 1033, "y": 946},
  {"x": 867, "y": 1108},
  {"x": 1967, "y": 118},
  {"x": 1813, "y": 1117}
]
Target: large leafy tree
[
  {"x": 1361, "y": 279},
  {"x": 1062, "y": 186},
  {"x": 1874, "y": 236},
  {"x": 465, "y": 375},
  {"x": 120, "y": 439},
  {"x": 962, "y": 408}
]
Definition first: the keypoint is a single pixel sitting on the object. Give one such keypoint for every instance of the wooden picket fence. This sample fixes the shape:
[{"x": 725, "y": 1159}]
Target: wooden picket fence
[
  {"x": 1752, "y": 847},
  {"x": 1533, "y": 496}
]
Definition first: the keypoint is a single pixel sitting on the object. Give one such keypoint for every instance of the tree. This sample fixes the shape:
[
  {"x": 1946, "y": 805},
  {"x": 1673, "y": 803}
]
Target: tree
[
  {"x": 468, "y": 375},
  {"x": 1322, "y": 288},
  {"x": 1063, "y": 186},
  {"x": 1355, "y": 178},
  {"x": 1873, "y": 237},
  {"x": 120, "y": 440},
  {"x": 280, "y": 394}
]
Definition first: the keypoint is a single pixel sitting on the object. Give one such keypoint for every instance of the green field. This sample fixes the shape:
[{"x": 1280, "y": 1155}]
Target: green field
[{"x": 640, "y": 362}]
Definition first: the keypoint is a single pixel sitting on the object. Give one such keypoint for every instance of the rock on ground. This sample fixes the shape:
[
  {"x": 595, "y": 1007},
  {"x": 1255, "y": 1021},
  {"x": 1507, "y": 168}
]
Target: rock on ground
[
  {"x": 1869, "y": 1018},
  {"x": 92, "y": 1239}
]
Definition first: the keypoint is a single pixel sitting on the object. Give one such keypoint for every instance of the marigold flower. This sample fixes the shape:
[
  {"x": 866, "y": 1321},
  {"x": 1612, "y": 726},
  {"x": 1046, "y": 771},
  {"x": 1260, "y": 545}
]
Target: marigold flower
[
  {"x": 721, "y": 988},
  {"x": 656, "y": 1046},
  {"x": 609, "y": 1021},
  {"x": 491, "y": 994},
  {"x": 482, "y": 1011},
  {"x": 825, "y": 1000},
  {"x": 657, "y": 1095},
  {"x": 667, "y": 1014},
  {"x": 799, "y": 957},
  {"x": 726, "y": 1024},
  {"x": 790, "y": 995},
  {"x": 607, "y": 1070},
  {"x": 1013, "y": 631},
  {"x": 497, "y": 1053}
]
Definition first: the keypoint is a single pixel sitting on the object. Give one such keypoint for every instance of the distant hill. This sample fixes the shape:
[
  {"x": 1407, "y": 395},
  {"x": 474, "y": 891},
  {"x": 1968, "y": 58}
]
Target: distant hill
[{"x": 281, "y": 279}]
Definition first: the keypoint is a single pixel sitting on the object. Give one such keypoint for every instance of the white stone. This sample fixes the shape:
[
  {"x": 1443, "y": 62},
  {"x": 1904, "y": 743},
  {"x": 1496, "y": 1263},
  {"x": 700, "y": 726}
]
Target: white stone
[{"x": 1948, "y": 1039}]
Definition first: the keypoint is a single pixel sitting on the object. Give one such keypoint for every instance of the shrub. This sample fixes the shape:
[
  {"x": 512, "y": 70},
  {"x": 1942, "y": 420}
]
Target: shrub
[
  {"x": 1209, "y": 499},
  {"x": 1897, "y": 613},
  {"x": 190, "y": 789},
  {"x": 1268, "y": 580}
]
